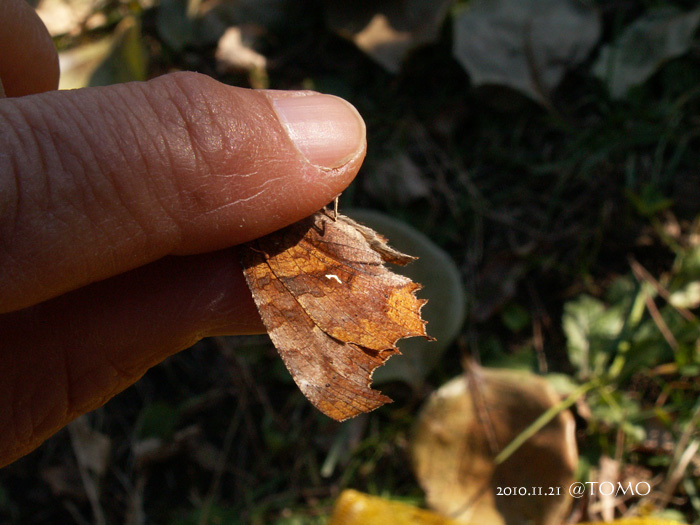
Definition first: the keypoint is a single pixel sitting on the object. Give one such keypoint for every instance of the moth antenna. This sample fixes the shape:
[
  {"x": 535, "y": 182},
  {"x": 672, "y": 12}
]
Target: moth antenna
[{"x": 335, "y": 208}]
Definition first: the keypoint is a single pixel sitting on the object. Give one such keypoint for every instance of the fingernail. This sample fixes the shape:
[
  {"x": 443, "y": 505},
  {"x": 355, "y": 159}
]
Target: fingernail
[{"x": 327, "y": 130}]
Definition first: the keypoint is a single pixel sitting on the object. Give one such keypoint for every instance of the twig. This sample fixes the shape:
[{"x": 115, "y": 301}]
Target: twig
[
  {"x": 537, "y": 335},
  {"x": 660, "y": 323},
  {"x": 641, "y": 274},
  {"x": 681, "y": 460},
  {"x": 91, "y": 490}
]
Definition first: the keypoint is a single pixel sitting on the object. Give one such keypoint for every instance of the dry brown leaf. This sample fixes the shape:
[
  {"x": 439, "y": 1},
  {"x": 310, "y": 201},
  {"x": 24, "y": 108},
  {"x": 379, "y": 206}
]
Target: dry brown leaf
[
  {"x": 462, "y": 428},
  {"x": 331, "y": 308},
  {"x": 388, "y": 30},
  {"x": 69, "y": 16},
  {"x": 234, "y": 52}
]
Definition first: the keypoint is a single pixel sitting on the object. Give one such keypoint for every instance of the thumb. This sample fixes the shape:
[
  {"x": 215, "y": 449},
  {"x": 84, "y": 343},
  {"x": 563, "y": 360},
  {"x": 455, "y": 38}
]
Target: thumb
[{"x": 103, "y": 180}]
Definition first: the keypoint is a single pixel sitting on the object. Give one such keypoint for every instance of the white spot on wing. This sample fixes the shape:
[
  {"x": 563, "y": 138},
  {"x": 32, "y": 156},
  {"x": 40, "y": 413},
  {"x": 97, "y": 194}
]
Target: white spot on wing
[{"x": 333, "y": 276}]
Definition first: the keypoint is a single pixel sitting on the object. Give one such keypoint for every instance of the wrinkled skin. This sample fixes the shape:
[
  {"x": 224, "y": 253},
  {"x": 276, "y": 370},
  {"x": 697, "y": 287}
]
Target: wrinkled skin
[{"x": 119, "y": 210}]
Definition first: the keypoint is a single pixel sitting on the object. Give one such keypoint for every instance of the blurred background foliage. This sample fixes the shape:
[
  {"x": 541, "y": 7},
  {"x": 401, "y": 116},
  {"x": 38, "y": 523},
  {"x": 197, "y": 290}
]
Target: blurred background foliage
[{"x": 540, "y": 155}]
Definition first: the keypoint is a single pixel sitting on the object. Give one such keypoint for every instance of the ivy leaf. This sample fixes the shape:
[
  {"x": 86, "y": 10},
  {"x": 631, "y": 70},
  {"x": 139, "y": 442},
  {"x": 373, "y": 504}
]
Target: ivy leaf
[
  {"x": 644, "y": 47},
  {"x": 526, "y": 45}
]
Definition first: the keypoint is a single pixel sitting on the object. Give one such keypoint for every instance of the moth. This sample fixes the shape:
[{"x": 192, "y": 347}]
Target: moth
[{"x": 331, "y": 307}]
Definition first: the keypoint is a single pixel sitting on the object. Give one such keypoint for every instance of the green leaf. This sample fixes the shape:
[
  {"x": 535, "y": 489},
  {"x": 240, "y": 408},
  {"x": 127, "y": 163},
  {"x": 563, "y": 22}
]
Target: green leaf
[
  {"x": 616, "y": 408},
  {"x": 643, "y": 47},
  {"x": 686, "y": 277},
  {"x": 562, "y": 383},
  {"x": 590, "y": 329}
]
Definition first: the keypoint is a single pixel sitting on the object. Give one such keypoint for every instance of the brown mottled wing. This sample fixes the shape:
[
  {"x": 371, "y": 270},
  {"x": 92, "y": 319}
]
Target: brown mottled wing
[
  {"x": 342, "y": 284},
  {"x": 332, "y": 309}
]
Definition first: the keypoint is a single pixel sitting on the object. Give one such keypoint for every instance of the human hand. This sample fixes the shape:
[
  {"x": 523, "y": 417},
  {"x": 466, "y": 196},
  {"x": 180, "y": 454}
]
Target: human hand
[{"x": 118, "y": 208}]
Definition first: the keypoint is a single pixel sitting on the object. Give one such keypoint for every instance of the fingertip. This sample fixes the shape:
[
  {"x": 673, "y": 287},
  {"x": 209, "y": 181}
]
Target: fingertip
[
  {"x": 28, "y": 57},
  {"x": 326, "y": 129}
]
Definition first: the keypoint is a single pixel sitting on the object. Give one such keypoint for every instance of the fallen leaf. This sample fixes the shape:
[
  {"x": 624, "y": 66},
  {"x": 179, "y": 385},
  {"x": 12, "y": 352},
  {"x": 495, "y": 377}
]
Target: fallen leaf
[
  {"x": 467, "y": 422},
  {"x": 357, "y": 508},
  {"x": 80, "y": 63},
  {"x": 331, "y": 308},
  {"x": 527, "y": 45},
  {"x": 389, "y": 29},
  {"x": 234, "y": 52},
  {"x": 119, "y": 57},
  {"x": 63, "y": 17}
]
